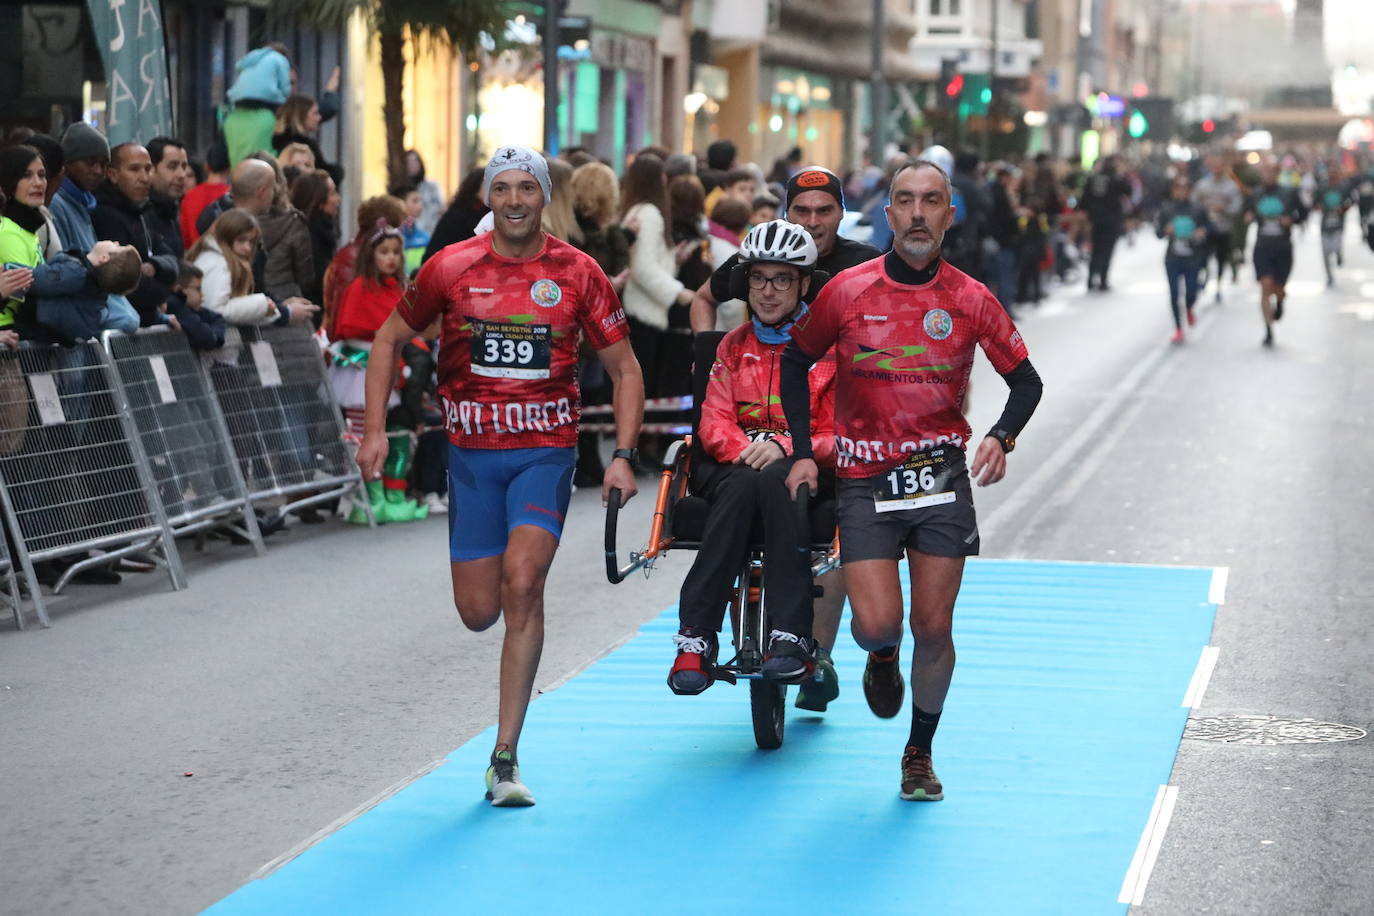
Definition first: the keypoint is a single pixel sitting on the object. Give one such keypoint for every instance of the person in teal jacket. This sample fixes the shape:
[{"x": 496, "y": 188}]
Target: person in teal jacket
[{"x": 262, "y": 85}]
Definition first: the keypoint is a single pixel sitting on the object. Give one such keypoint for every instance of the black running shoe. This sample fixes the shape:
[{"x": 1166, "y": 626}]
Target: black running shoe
[
  {"x": 884, "y": 685},
  {"x": 789, "y": 657},
  {"x": 919, "y": 782},
  {"x": 1278, "y": 309},
  {"x": 817, "y": 692}
]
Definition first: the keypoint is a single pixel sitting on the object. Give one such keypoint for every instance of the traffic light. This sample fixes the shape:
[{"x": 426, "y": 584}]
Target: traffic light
[
  {"x": 1137, "y": 125},
  {"x": 951, "y": 82},
  {"x": 977, "y": 94},
  {"x": 1209, "y": 126},
  {"x": 1152, "y": 118}
]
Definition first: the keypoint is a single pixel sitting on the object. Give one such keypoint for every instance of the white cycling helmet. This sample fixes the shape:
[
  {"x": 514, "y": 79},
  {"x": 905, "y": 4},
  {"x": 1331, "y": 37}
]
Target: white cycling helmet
[
  {"x": 780, "y": 242},
  {"x": 776, "y": 242}
]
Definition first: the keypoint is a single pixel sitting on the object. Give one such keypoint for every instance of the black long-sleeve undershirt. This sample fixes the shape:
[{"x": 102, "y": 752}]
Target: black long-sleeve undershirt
[
  {"x": 795, "y": 389},
  {"x": 1023, "y": 394}
]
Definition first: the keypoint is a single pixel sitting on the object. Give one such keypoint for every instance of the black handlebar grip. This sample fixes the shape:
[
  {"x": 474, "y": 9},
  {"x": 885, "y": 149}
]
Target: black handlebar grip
[{"x": 612, "y": 514}]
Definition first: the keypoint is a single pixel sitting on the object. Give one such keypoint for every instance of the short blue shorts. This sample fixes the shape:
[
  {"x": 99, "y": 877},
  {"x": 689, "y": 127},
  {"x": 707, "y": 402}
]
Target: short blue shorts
[{"x": 491, "y": 491}]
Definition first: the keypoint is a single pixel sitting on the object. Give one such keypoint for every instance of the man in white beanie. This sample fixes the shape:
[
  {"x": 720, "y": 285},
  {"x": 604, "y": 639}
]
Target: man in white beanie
[{"x": 512, "y": 305}]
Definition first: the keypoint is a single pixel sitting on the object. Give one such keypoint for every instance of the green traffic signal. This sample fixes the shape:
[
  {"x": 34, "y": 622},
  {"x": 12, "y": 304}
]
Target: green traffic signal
[{"x": 1137, "y": 125}]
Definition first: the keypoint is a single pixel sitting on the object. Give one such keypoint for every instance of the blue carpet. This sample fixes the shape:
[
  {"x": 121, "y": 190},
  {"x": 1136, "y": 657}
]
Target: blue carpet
[{"x": 1062, "y": 723}]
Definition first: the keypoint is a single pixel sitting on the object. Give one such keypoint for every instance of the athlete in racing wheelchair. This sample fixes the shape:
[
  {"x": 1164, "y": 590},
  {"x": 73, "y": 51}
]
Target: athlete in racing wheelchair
[
  {"x": 746, "y": 453},
  {"x": 722, "y": 494}
]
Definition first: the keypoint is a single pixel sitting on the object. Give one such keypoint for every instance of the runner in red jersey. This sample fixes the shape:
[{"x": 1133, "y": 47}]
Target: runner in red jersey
[
  {"x": 507, "y": 375},
  {"x": 512, "y": 305},
  {"x": 904, "y": 329},
  {"x": 907, "y": 352}
]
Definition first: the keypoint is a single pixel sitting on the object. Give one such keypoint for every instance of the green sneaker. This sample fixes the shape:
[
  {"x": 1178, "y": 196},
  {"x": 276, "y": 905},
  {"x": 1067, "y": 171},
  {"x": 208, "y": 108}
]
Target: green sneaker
[
  {"x": 816, "y": 694},
  {"x": 504, "y": 788}
]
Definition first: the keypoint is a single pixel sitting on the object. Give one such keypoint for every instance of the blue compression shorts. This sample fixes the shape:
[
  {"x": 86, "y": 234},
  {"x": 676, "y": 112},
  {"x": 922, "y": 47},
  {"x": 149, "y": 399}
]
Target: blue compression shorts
[{"x": 491, "y": 491}]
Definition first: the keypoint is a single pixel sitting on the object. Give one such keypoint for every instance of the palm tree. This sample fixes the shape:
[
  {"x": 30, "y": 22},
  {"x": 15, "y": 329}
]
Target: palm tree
[{"x": 458, "y": 24}]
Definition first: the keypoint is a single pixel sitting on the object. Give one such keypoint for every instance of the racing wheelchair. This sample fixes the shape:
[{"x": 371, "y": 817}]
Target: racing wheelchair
[{"x": 679, "y": 521}]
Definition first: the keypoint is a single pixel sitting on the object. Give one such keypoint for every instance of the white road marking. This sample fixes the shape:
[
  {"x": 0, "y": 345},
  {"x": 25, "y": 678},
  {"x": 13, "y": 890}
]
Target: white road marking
[
  {"x": 1361, "y": 310},
  {"x": 1147, "y": 852},
  {"x": 1216, "y": 592},
  {"x": 1202, "y": 676},
  {"x": 1039, "y": 562},
  {"x": 1305, "y": 289}
]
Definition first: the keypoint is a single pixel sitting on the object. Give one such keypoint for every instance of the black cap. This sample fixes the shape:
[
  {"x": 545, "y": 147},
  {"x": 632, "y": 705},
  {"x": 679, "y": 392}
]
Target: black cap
[{"x": 815, "y": 178}]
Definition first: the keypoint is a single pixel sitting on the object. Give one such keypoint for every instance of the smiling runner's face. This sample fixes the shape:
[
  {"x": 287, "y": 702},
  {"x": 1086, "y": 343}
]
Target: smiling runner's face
[{"x": 517, "y": 207}]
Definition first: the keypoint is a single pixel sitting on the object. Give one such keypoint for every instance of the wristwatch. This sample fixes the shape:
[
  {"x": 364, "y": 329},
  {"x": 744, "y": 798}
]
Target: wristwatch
[
  {"x": 629, "y": 454},
  {"x": 1001, "y": 435}
]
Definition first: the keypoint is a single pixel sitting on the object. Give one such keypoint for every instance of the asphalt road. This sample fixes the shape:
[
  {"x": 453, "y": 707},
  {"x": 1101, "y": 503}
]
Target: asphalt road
[{"x": 161, "y": 748}]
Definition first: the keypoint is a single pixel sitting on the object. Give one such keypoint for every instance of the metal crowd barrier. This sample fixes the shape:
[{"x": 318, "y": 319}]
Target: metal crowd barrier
[
  {"x": 600, "y": 418},
  {"x": 283, "y": 420},
  {"x": 184, "y": 434},
  {"x": 11, "y": 594},
  {"x": 74, "y": 477}
]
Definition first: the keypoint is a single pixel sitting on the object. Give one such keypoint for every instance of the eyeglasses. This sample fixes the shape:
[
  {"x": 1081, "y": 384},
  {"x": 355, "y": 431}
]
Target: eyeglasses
[{"x": 782, "y": 282}]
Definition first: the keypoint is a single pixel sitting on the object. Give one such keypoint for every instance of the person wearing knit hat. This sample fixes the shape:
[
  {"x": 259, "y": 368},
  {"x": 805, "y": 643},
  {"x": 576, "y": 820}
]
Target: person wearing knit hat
[
  {"x": 815, "y": 178},
  {"x": 82, "y": 141},
  {"x": 519, "y": 158},
  {"x": 512, "y": 307},
  {"x": 87, "y": 155}
]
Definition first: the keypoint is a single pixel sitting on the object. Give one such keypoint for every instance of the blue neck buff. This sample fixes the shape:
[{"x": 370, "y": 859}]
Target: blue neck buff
[{"x": 777, "y": 334}]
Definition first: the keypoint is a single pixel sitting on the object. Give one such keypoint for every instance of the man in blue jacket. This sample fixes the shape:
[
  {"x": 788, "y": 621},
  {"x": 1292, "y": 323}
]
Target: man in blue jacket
[{"x": 87, "y": 155}]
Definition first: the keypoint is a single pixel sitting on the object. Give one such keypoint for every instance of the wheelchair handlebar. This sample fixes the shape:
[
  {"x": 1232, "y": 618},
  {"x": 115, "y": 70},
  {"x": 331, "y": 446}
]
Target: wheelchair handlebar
[{"x": 614, "y": 571}]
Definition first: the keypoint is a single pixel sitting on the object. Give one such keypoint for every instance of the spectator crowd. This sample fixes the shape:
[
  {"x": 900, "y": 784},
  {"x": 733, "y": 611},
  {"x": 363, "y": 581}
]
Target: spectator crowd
[{"x": 247, "y": 233}]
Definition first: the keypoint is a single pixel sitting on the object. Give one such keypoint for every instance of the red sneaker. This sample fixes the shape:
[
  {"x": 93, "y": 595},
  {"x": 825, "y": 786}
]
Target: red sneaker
[
  {"x": 696, "y": 657},
  {"x": 1192, "y": 319},
  {"x": 1178, "y": 336}
]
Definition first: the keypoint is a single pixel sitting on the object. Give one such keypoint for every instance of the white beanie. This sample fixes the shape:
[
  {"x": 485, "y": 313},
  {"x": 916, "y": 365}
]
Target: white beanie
[{"x": 519, "y": 158}]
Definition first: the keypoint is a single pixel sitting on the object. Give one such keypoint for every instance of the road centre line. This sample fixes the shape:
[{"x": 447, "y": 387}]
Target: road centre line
[{"x": 1147, "y": 853}]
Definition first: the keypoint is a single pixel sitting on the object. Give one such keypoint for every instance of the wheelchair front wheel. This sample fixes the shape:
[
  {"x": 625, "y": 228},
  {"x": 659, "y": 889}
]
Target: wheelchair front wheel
[{"x": 768, "y": 702}]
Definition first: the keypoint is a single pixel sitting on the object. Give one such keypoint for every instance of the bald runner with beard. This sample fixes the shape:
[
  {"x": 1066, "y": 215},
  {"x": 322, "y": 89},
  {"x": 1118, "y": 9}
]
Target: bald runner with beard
[{"x": 904, "y": 331}]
